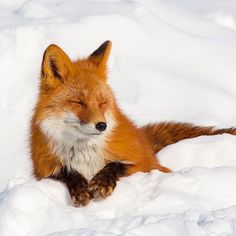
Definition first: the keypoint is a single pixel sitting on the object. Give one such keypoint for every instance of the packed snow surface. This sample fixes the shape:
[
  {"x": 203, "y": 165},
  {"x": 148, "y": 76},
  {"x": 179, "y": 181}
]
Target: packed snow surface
[{"x": 171, "y": 60}]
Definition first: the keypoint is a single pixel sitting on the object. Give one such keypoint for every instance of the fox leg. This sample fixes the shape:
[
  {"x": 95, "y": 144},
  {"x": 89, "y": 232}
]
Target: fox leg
[
  {"x": 166, "y": 133},
  {"x": 76, "y": 184},
  {"x": 104, "y": 182}
]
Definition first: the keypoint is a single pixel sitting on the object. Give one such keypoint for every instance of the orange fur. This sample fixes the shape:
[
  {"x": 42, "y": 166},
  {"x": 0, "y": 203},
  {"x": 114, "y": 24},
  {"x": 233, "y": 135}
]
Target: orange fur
[{"x": 45, "y": 162}]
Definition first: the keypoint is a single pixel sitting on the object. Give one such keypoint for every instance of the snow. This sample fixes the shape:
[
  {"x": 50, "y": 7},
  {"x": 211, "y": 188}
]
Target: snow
[{"x": 171, "y": 60}]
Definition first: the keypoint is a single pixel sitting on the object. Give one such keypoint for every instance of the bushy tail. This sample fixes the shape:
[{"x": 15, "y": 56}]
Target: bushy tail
[{"x": 166, "y": 133}]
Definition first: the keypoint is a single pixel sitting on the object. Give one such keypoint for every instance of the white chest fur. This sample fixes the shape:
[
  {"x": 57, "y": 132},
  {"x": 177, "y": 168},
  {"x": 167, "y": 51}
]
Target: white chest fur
[{"x": 84, "y": 157}]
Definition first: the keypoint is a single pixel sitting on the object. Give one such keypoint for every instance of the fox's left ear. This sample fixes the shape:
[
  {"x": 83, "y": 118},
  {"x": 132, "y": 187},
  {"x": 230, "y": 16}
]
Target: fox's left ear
[{"x": 100, "y": 56}]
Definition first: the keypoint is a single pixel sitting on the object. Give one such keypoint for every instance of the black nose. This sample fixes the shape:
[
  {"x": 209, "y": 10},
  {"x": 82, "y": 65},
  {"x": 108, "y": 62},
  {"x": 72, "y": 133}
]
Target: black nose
[{"x": 101, "y": 126}]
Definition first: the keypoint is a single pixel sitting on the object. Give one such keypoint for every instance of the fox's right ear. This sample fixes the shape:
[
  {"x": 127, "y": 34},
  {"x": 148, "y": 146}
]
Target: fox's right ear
[
  {"x": 100, "y": 57},
  {"x": 55, "y": 66}
]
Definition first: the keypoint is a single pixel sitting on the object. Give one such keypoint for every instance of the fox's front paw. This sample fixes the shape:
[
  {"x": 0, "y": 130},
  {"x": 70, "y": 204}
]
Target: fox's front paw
[
  {"x": 101, "y": 186},
  {"x": 80, "y": 197}
]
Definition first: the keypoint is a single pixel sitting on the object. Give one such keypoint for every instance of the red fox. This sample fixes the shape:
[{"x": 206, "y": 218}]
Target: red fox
[{"x": 80, "y": 136}]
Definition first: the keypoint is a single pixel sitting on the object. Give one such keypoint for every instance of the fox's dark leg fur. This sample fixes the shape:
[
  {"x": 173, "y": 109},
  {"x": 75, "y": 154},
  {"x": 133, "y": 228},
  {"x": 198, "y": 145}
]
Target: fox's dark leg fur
[
  {"x": 76, "y": 184},
  {"x": 104, "y": 182},
  {"x": 166, "y": 133}
]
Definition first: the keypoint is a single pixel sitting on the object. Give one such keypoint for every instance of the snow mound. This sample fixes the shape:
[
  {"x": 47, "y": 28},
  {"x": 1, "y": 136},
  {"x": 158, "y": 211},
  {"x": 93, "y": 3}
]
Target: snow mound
[
  {"x": 187, "y": 202},
  {"x": 171, "y": 60}
]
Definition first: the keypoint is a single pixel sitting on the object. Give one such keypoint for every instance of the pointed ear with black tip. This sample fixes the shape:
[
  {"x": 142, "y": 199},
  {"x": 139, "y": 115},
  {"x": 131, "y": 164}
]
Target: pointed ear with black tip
[
  {"x": 100, "y": 56},
  {"x": 55, "y": 66}
]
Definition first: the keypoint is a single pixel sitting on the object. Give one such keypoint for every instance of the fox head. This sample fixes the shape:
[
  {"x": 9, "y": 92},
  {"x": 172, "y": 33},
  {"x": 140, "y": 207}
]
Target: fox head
[{"x": 75, "y": 100}]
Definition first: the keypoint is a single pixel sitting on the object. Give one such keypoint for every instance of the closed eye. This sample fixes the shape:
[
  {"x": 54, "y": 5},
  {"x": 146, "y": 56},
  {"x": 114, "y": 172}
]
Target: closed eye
[
  {"x": 103, "y": 103},
  {"x": 77, "y": 102}
]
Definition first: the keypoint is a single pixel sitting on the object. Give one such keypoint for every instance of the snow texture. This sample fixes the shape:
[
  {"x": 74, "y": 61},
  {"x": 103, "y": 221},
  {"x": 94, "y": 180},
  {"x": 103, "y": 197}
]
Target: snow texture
[{"x": 171, "y": 60}]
